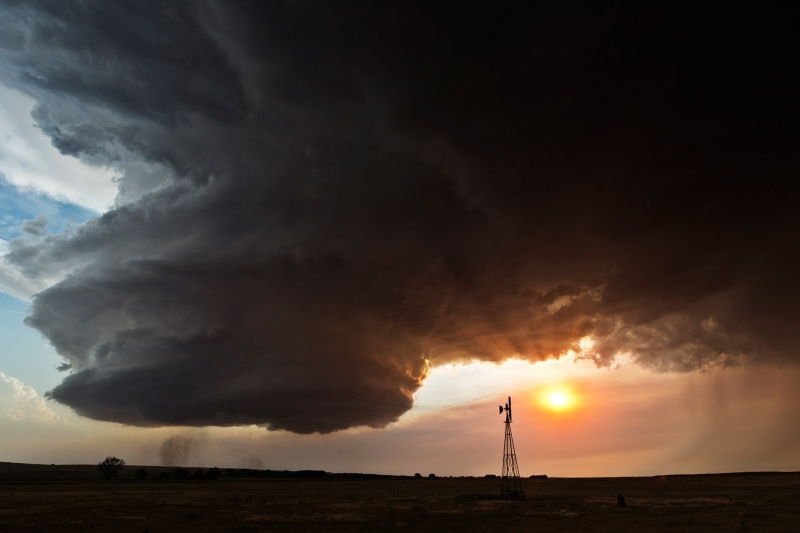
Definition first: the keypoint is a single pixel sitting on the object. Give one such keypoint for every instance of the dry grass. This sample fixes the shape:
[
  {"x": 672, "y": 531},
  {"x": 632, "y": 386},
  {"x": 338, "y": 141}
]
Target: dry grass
[{"x": 753, "y": 502}]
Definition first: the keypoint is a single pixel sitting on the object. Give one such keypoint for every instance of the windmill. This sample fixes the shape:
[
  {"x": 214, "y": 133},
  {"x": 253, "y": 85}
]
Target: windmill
[{"x": 510, "y": 484}]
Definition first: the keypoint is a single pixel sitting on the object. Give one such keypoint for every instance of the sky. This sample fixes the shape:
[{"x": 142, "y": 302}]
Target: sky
[{"x": 306, "y": 235}]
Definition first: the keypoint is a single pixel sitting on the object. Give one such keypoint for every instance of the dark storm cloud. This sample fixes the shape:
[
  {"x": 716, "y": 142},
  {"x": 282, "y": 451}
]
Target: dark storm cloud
[{"x": 317, "y": 200}]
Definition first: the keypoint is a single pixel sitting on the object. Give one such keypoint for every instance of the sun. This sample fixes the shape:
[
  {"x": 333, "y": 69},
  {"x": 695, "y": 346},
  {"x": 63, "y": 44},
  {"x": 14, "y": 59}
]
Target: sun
[{"x": 557, "y": 399}]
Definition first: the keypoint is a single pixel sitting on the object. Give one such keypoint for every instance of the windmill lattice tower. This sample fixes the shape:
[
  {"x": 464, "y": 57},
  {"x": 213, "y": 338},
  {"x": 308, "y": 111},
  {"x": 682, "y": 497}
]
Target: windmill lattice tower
[{"x": 510, "y": 483}]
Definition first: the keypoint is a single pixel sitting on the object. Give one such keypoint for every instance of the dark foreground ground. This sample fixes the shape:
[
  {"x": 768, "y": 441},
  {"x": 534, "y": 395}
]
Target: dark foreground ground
[{"x": 733, "y": 502}]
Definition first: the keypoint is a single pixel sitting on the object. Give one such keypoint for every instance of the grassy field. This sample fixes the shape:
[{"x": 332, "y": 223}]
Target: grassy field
[{"x": 708, "y": 503}]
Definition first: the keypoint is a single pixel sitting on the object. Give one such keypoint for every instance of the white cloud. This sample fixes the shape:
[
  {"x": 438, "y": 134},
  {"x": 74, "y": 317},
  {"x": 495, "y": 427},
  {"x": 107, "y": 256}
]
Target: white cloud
[
  {"x": 29, "y": 160},
  {"x": 21, "y": 403}
]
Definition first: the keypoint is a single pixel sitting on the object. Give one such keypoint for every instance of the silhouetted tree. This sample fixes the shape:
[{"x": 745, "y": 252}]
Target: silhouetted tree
[
  {"x": 110, "y": 467},
  {"x": 418, "y": 475},
  {"x": 180, "y": 473},
  {"x": 212, "y": 473},
  {"x": 431, "y": 476},
  {"x": 141, "y": 474}
]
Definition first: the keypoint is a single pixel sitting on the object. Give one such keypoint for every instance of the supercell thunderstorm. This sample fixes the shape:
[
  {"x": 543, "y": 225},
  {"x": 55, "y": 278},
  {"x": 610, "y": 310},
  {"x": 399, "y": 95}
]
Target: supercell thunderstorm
[{"x": 316, "y": 201}]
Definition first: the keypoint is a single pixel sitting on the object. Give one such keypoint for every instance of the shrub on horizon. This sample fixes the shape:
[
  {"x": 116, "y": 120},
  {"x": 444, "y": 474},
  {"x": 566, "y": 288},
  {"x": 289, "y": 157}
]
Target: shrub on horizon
[{"x": 110, "y": 467}]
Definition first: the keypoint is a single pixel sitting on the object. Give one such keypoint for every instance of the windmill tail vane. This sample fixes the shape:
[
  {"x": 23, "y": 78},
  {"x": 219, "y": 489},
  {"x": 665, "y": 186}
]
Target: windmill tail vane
[{"x": 511, "y": 484}]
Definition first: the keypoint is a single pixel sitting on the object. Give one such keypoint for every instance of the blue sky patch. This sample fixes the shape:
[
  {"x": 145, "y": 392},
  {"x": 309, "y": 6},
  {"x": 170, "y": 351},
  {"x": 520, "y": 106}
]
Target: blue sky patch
[{"x": 18, "y": 205}]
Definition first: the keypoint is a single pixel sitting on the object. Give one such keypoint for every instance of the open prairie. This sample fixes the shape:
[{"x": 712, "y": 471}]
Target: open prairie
[{"x": 702, "y": 503}]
